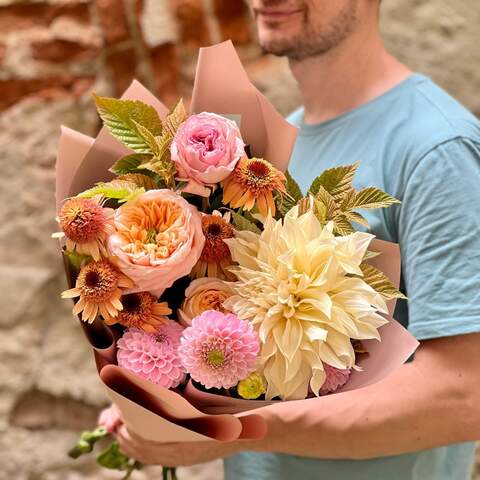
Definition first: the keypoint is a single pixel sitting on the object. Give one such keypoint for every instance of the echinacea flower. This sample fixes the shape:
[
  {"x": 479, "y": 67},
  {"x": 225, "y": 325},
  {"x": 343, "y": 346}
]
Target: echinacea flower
[
  {"x": 154, "y": 356},
  {"x": 158, "y": 239},
  {"x": 253, "y": 182},
  {"x": 215, "y": 258},
  {"x": 141, "y": 310},
  {"x": 85, "y": 225},
  {"x": 99, "y": 287},
  {"x": 251, "y": 387},
  {"x": 205, "y": 150},
  {"x": 219, "y": 350},
  {"x": 335, "y": 378},
  {"x": 302, "y": 289},
  {"x": 201, "y": 295}
]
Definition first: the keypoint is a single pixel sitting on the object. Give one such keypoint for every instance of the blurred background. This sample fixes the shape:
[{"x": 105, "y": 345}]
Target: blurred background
[{"x": 52, "y": 55}]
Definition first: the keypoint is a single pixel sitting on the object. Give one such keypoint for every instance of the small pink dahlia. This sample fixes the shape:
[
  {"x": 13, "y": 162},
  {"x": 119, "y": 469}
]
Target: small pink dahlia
[
  {"x": 336, "y": 378},
  {"x": 153, "y": 356},
  {"x": 218, "y": 350}
]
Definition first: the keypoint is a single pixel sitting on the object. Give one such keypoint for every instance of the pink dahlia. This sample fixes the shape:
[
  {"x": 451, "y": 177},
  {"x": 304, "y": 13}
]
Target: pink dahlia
[
  {"x": 218, "y": 350},
  {"x": 336, "y": 378},
  {"x": 153, "y": 356}
]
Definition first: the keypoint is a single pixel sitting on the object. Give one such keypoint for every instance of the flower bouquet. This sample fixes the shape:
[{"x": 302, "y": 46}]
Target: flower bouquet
[{"x": 207, "y": 284}]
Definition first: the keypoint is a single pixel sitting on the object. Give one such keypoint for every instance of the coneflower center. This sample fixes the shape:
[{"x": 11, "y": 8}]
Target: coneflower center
[
  {"x": 214, "y": 229},
  {"x": 131, "y": 302},
  {"x": 259, "y": 169},
  {"x": 92, "y": 279}
]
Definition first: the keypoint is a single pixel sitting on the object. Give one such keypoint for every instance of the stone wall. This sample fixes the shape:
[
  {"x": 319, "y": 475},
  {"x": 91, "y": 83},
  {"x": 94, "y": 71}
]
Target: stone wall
[{"x": 52, "y": 55}]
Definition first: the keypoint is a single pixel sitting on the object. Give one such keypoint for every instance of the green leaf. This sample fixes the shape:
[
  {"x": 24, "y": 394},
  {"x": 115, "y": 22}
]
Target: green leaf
[
  {"x": 329, "y": 202},
  {"x": 292, "y": 187},
  {"x": 120, "y": 190},
  {"x": 122, "y": 118},
  {"x": 113, "y": 458},
  {"x": 380, "y": 282},
  {"x": 357, "y": 218},
  {"x": 76, "y": 260},
  {"x": 241, "y": 223},
  {"x": 149, "y": 138},
  {"x": 175, "y": 118},
  {"x": 370, "y": 198},
  {"x": 336, "y": 181},
  {"x": 140, "y": 180},
  {"x": 129, "y": 163},
  {"x": 342, "y": 226},
  {"x": 87, "y": 441}
]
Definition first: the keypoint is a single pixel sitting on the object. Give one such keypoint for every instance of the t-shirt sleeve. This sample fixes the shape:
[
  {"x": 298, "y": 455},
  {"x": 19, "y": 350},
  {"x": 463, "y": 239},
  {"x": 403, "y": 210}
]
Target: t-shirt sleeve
[{"x": 439, "y": 236}]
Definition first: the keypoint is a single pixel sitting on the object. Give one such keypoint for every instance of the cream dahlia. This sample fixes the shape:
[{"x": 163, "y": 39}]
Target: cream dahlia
[
  {"x": 219, "y": 350},
  {"x": 99, "y": 287},
  {"x": 301, "y": 288},
  {"x": 86, "y": 225},
  {"x": 153, "y": 356},
  {"x": 253, "y": 182}
]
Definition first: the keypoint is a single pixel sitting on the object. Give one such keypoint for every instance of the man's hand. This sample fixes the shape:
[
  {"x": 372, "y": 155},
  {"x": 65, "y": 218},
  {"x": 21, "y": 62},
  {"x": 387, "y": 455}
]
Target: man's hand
[{"x": 174, "y": 454}]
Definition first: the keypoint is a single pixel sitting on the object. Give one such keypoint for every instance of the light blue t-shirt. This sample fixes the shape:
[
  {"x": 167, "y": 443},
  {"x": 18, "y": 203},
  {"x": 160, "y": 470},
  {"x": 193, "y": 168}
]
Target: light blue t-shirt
[{"x": 421, "y": 146}]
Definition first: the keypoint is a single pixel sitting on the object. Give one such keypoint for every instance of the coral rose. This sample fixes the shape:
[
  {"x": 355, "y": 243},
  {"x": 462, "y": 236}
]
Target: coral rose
[
  {"x": 203, "y": 294},
  {"x": 206, "y": 149},
  {"x": 158, "y": 240}
]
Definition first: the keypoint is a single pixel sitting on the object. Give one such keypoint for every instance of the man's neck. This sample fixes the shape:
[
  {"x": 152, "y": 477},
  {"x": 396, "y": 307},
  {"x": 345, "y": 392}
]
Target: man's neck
[{"x": 347, "y": 77}]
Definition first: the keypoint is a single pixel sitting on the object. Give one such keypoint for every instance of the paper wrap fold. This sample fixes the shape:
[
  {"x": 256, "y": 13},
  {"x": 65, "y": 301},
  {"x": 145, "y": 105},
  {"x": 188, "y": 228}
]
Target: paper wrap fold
[{"x": 151, "y": 411}]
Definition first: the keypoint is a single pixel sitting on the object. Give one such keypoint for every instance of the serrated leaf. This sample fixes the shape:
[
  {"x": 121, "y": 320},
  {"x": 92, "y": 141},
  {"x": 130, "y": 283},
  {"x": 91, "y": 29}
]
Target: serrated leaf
[
  {"x": 370, "y": 198},
  {"x": 129, "y": 163},
  {"x": 119, "y": 117},
  {"x": 326, "y": 198},
  {"x": 175, "y": 118},
  {"x": 357, "y": 218},
  {"x": 292, "y": 187},
  {"x": 336, "y": 181},
  {"x": 148, "y": 136},
  {"x": 241, "y": 223},
  {"x": 380, "y": 282},
  {"x": 140, "y": 180},
  {"x": 369, "y": 255},
  {"x": 342, "y": 226},
  {"x": 120, "y": 190},
  {"x": 286, "y": 202}
]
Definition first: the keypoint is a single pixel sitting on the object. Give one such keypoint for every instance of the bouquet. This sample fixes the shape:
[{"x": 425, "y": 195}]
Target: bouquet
[{"x": 206, "y": 282}]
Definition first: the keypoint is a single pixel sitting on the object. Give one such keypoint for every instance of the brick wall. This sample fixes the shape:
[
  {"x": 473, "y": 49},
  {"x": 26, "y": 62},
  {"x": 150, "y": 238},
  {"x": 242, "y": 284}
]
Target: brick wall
[
  {"x": 58, "y": 49},
  {"x": 53, "y": 53}
]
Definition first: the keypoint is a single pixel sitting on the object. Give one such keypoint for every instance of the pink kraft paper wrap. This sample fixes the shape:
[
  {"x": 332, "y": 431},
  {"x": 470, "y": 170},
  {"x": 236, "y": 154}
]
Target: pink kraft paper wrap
[{"x": 221, "y": 86}]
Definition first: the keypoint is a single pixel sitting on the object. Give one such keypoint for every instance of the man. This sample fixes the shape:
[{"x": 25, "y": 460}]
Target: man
[{"x": 418, "y": 144}]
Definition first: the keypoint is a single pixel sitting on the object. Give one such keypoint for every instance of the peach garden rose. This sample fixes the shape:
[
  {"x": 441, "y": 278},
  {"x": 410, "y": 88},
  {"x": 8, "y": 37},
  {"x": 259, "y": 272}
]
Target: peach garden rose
[
  {"x": 206, "y": 149},
  {"x": 158, "y": 240},
  {"x": 201, "y": 295}
]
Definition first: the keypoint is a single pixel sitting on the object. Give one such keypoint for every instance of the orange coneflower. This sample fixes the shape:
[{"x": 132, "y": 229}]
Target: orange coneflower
[
  {"x": 99, "y": 287},
  {"x": 86, "y": 225},
  {"x": 215, "y": 257},
  {"x": 141, "y": 310},
  {"x": 252, "y": 183}
]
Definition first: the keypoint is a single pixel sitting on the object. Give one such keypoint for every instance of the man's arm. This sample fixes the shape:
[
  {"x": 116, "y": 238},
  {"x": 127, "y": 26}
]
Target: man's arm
[{"x": 430, "y": 402}]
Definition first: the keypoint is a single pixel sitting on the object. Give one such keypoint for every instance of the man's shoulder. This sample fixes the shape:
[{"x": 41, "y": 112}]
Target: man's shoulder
[{"x": 428, "y": 116}]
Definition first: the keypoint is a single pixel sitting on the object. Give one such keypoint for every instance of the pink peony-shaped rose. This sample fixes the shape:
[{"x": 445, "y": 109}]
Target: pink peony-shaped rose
[
  {"x": 158, "y": 239},
  {"x": 336, "y": 378},
  {"x": 219, "y": 350},
  {"x": 153, "y": 356},
  {"x": 206, "y": 149}
]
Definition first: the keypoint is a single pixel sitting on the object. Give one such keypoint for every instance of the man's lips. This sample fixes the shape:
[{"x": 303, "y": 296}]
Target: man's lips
[{"x": 276, "y": 14}]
